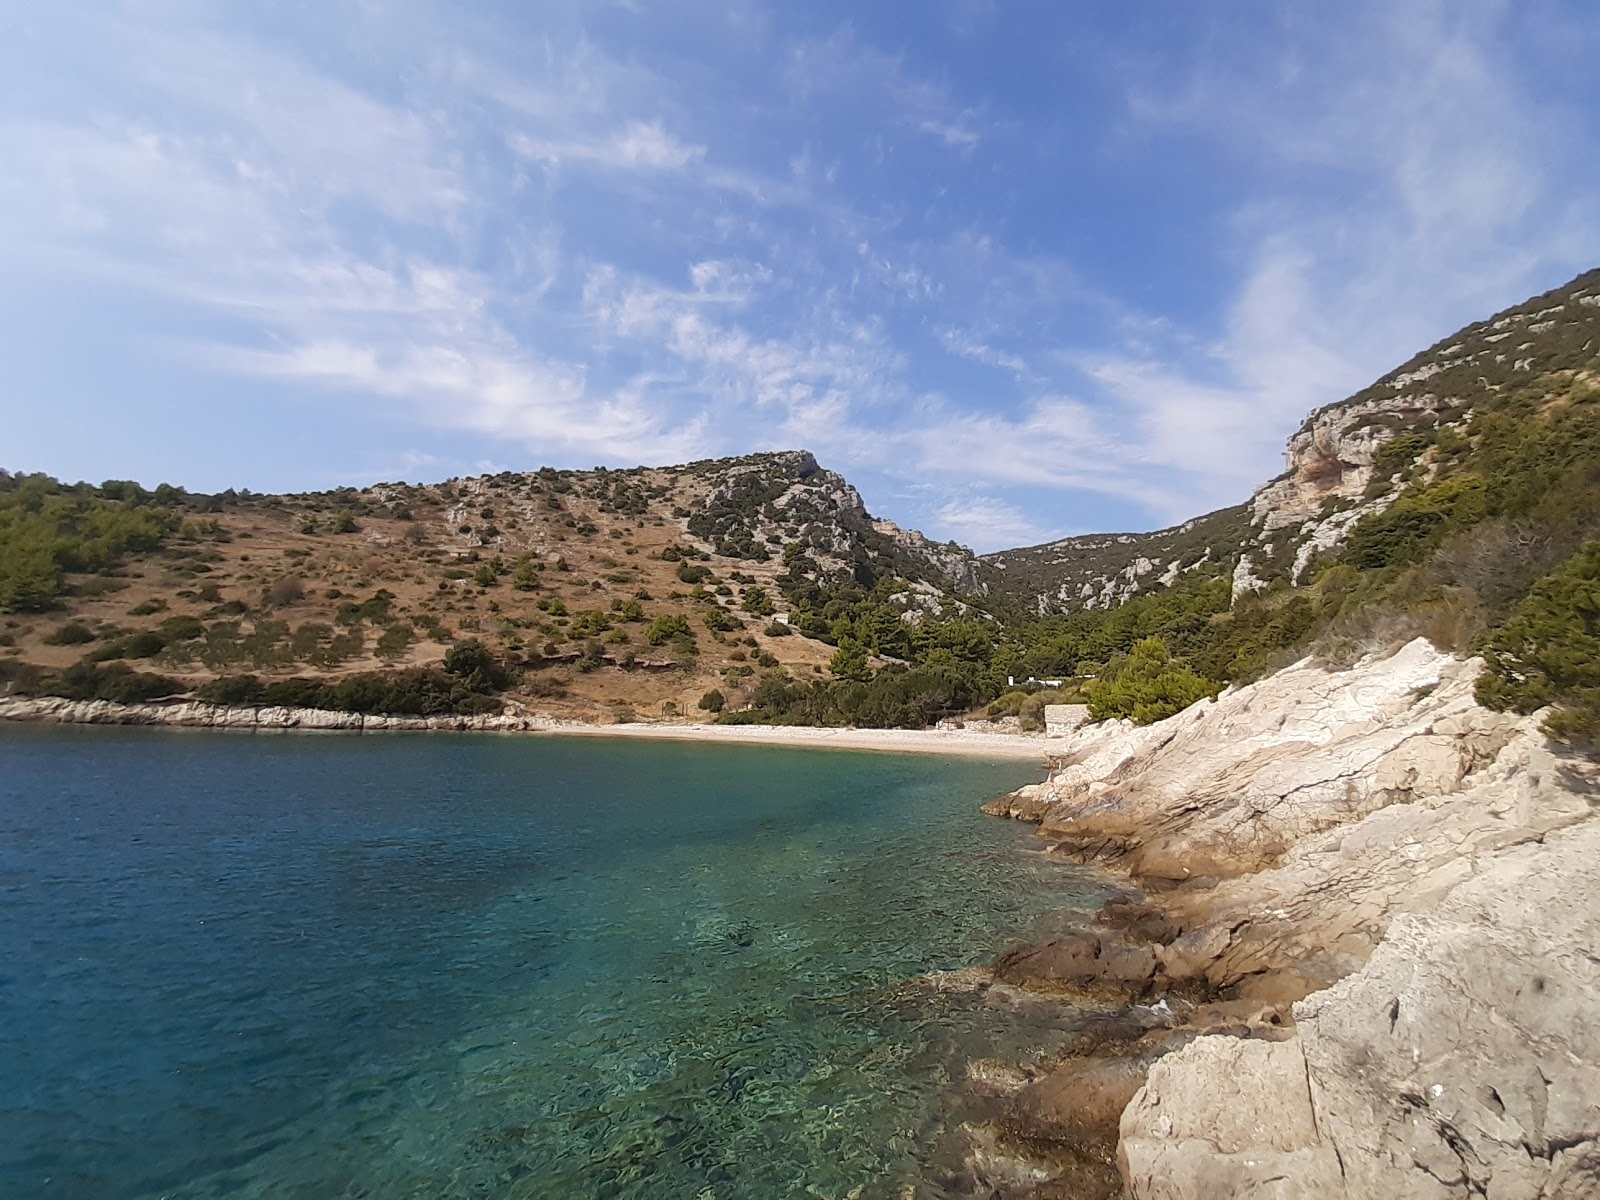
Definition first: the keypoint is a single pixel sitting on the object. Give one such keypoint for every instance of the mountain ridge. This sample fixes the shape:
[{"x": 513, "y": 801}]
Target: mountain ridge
[{"x": 1438, "y": 498}]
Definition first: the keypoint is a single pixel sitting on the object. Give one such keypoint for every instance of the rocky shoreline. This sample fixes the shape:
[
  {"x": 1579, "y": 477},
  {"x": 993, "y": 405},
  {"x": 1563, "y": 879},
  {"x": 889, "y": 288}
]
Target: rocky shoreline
[
  {"x": 1358, "y": 957},
  {"x": 195, "y": 715}
]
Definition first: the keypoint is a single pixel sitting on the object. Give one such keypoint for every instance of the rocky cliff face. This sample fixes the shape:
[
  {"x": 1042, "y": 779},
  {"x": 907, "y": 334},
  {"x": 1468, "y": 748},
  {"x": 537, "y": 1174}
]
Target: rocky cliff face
[{"x": 1404, "y": 885}]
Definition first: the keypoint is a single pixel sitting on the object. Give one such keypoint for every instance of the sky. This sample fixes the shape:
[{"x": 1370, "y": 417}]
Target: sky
[{"x": 1017, "y": 270}]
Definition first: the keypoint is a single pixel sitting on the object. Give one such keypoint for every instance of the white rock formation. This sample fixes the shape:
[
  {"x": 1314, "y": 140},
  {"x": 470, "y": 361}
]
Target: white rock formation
[{"x": 1425, "y": 873}]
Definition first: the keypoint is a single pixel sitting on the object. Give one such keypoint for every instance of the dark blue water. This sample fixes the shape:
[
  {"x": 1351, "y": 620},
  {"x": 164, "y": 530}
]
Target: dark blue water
[{"x": 429, "y": 966}]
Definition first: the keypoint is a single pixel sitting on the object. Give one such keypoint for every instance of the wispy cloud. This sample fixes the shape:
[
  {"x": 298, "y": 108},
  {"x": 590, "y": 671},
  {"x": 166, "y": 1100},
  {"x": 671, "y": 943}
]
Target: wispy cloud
[
  {"x": 640, "y": 145},
  {"x": 989, "y": 522},
  {"x": 1051, "y": 300}
]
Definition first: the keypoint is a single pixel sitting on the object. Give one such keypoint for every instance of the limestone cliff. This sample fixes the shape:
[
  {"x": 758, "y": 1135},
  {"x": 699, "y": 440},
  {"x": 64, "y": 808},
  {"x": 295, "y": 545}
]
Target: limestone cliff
[{"x": 1407, "y": 880}]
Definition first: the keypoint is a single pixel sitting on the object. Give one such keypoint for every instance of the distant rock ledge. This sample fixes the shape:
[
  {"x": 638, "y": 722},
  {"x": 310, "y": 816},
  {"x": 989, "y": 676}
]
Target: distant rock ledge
[{"x": 196, "y": 715}]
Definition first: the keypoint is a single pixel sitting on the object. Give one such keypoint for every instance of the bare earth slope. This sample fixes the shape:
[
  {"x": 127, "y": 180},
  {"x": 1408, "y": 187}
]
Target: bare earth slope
[{"x": 1408, "y": 882}]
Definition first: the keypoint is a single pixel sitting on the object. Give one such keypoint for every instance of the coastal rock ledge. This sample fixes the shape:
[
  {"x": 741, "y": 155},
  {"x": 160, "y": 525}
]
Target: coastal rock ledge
[
  {"x": 194, "y": 714},
  {"x": 1400, "y": 887}
]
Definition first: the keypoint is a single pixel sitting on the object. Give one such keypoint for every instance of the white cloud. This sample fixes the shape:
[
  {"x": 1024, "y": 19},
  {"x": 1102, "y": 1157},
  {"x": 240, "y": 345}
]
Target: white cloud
[
  {"x": 966, "y": 344},
  {"x": 952, "y": 133},
  {"x": 988, "y": 523},
  {"x": 640, "y": 145}
]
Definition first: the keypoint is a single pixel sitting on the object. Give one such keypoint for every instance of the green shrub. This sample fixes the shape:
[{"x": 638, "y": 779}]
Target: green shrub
[
  {"x": 525, "y": 576},
  {"x": 712, "y": 702},
  {"x": 232, "y": 689},
  {"x": 395, "y": 641},
  {"x": 1548, "y": 653},
  {"x": 73, "y": 633},
  {"x": 118, "y": 683},
  {"x": 181, "y": 629},
  {"x": 850, "y": 662},
  {"x": 1146, "y": 686},
  {"x": 592, "y": 657},
  {"x": 668, "y": 627},
  {"x": 473, "y": 663},
  {"x": 48, "y": 529}
]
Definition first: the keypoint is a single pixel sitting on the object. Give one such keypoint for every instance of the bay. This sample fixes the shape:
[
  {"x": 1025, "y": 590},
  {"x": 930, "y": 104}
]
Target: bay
[{"x": 462, "y": 965}]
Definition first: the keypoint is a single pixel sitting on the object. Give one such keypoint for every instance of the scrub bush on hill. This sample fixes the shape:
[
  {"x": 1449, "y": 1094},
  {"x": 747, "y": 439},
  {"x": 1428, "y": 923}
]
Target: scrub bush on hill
[
  {"x": 1148, "y": 685},
  {"x": 668, "y": 627},
  {"x": 118, "y": 683},
  {"x": 48, "y": 528},
  {"x": 1548, "y": 653},
  {"x": 469, "y": 683},
  {"x": 896, "y": 697},
  {"x": 421, "y": 692}
]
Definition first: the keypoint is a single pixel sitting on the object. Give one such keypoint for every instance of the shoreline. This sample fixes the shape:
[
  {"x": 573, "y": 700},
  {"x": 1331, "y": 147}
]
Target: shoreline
[
  {"x": 196, "y": 715},
  {"x": 1350, "y": 892}
]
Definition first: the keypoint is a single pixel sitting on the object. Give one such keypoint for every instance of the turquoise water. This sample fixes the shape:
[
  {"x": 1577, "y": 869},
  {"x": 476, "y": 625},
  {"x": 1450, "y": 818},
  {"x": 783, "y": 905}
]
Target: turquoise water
[{"x": 440, "y": 966}]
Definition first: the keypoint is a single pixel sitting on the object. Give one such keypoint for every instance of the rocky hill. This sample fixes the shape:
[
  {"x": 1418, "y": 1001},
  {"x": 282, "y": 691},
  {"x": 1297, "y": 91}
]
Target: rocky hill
[
  {"x": 610, "y": 592},
  {"x": 1348, "y": 461},
  {"x": 1453, "y": 498},
  {"x": 1104, "y": 570}
]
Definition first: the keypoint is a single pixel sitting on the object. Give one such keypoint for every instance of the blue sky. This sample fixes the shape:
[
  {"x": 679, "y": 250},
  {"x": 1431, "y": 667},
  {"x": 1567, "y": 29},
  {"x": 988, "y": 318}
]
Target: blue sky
[{"x": 1018, "y": 269}]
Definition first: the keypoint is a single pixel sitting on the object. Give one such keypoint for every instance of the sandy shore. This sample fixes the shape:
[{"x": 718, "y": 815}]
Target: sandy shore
[{"x": 900, "y": 741}]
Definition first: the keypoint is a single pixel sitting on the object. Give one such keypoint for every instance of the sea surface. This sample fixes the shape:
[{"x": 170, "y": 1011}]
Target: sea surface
[{"x": 488, "y": 966}]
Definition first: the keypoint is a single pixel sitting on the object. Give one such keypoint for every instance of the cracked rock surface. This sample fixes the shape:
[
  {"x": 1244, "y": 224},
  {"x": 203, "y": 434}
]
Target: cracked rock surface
[{"x": 1417, "y": 876}]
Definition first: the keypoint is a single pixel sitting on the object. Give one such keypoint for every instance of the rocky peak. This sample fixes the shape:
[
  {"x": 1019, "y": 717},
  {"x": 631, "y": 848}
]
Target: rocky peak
[{"x": 754, "y": 505}]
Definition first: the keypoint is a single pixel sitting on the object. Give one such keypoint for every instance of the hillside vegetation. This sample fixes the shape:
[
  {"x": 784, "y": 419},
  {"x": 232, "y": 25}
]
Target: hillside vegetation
[{"x": 1457, "y": 498}]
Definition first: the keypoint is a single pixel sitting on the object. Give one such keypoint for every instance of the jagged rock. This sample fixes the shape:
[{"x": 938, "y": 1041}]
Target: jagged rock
[
  {"x": 1228, "y": 787},
  {"x": 1422, "y": 875},
  {"x": 1079, "y": 1105}
]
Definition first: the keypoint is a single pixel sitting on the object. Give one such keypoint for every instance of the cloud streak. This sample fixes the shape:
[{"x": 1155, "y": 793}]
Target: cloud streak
[{"x": 566, "y": 239}]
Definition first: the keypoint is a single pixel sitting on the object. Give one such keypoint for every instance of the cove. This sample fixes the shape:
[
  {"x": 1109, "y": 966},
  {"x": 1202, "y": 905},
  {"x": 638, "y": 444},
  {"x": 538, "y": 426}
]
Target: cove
[{"x": 470, "y": 965}]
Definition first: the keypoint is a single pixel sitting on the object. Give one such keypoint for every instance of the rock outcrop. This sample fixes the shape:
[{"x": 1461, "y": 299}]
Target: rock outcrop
[{"x": 1410, "y": 883}]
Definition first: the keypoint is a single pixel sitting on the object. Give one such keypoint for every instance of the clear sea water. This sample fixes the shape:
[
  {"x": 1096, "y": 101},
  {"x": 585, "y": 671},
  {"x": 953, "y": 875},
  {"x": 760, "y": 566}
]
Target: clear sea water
[{"x": 455, "y": 965}]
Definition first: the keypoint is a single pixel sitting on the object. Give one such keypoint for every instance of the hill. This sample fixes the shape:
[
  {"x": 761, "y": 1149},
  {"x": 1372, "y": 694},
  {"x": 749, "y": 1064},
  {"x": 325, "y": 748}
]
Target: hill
[
  {"x": 593, "y": 593},
  {"x": 1456, "y": 498},
  {"x": 1453, "y": 498}
]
